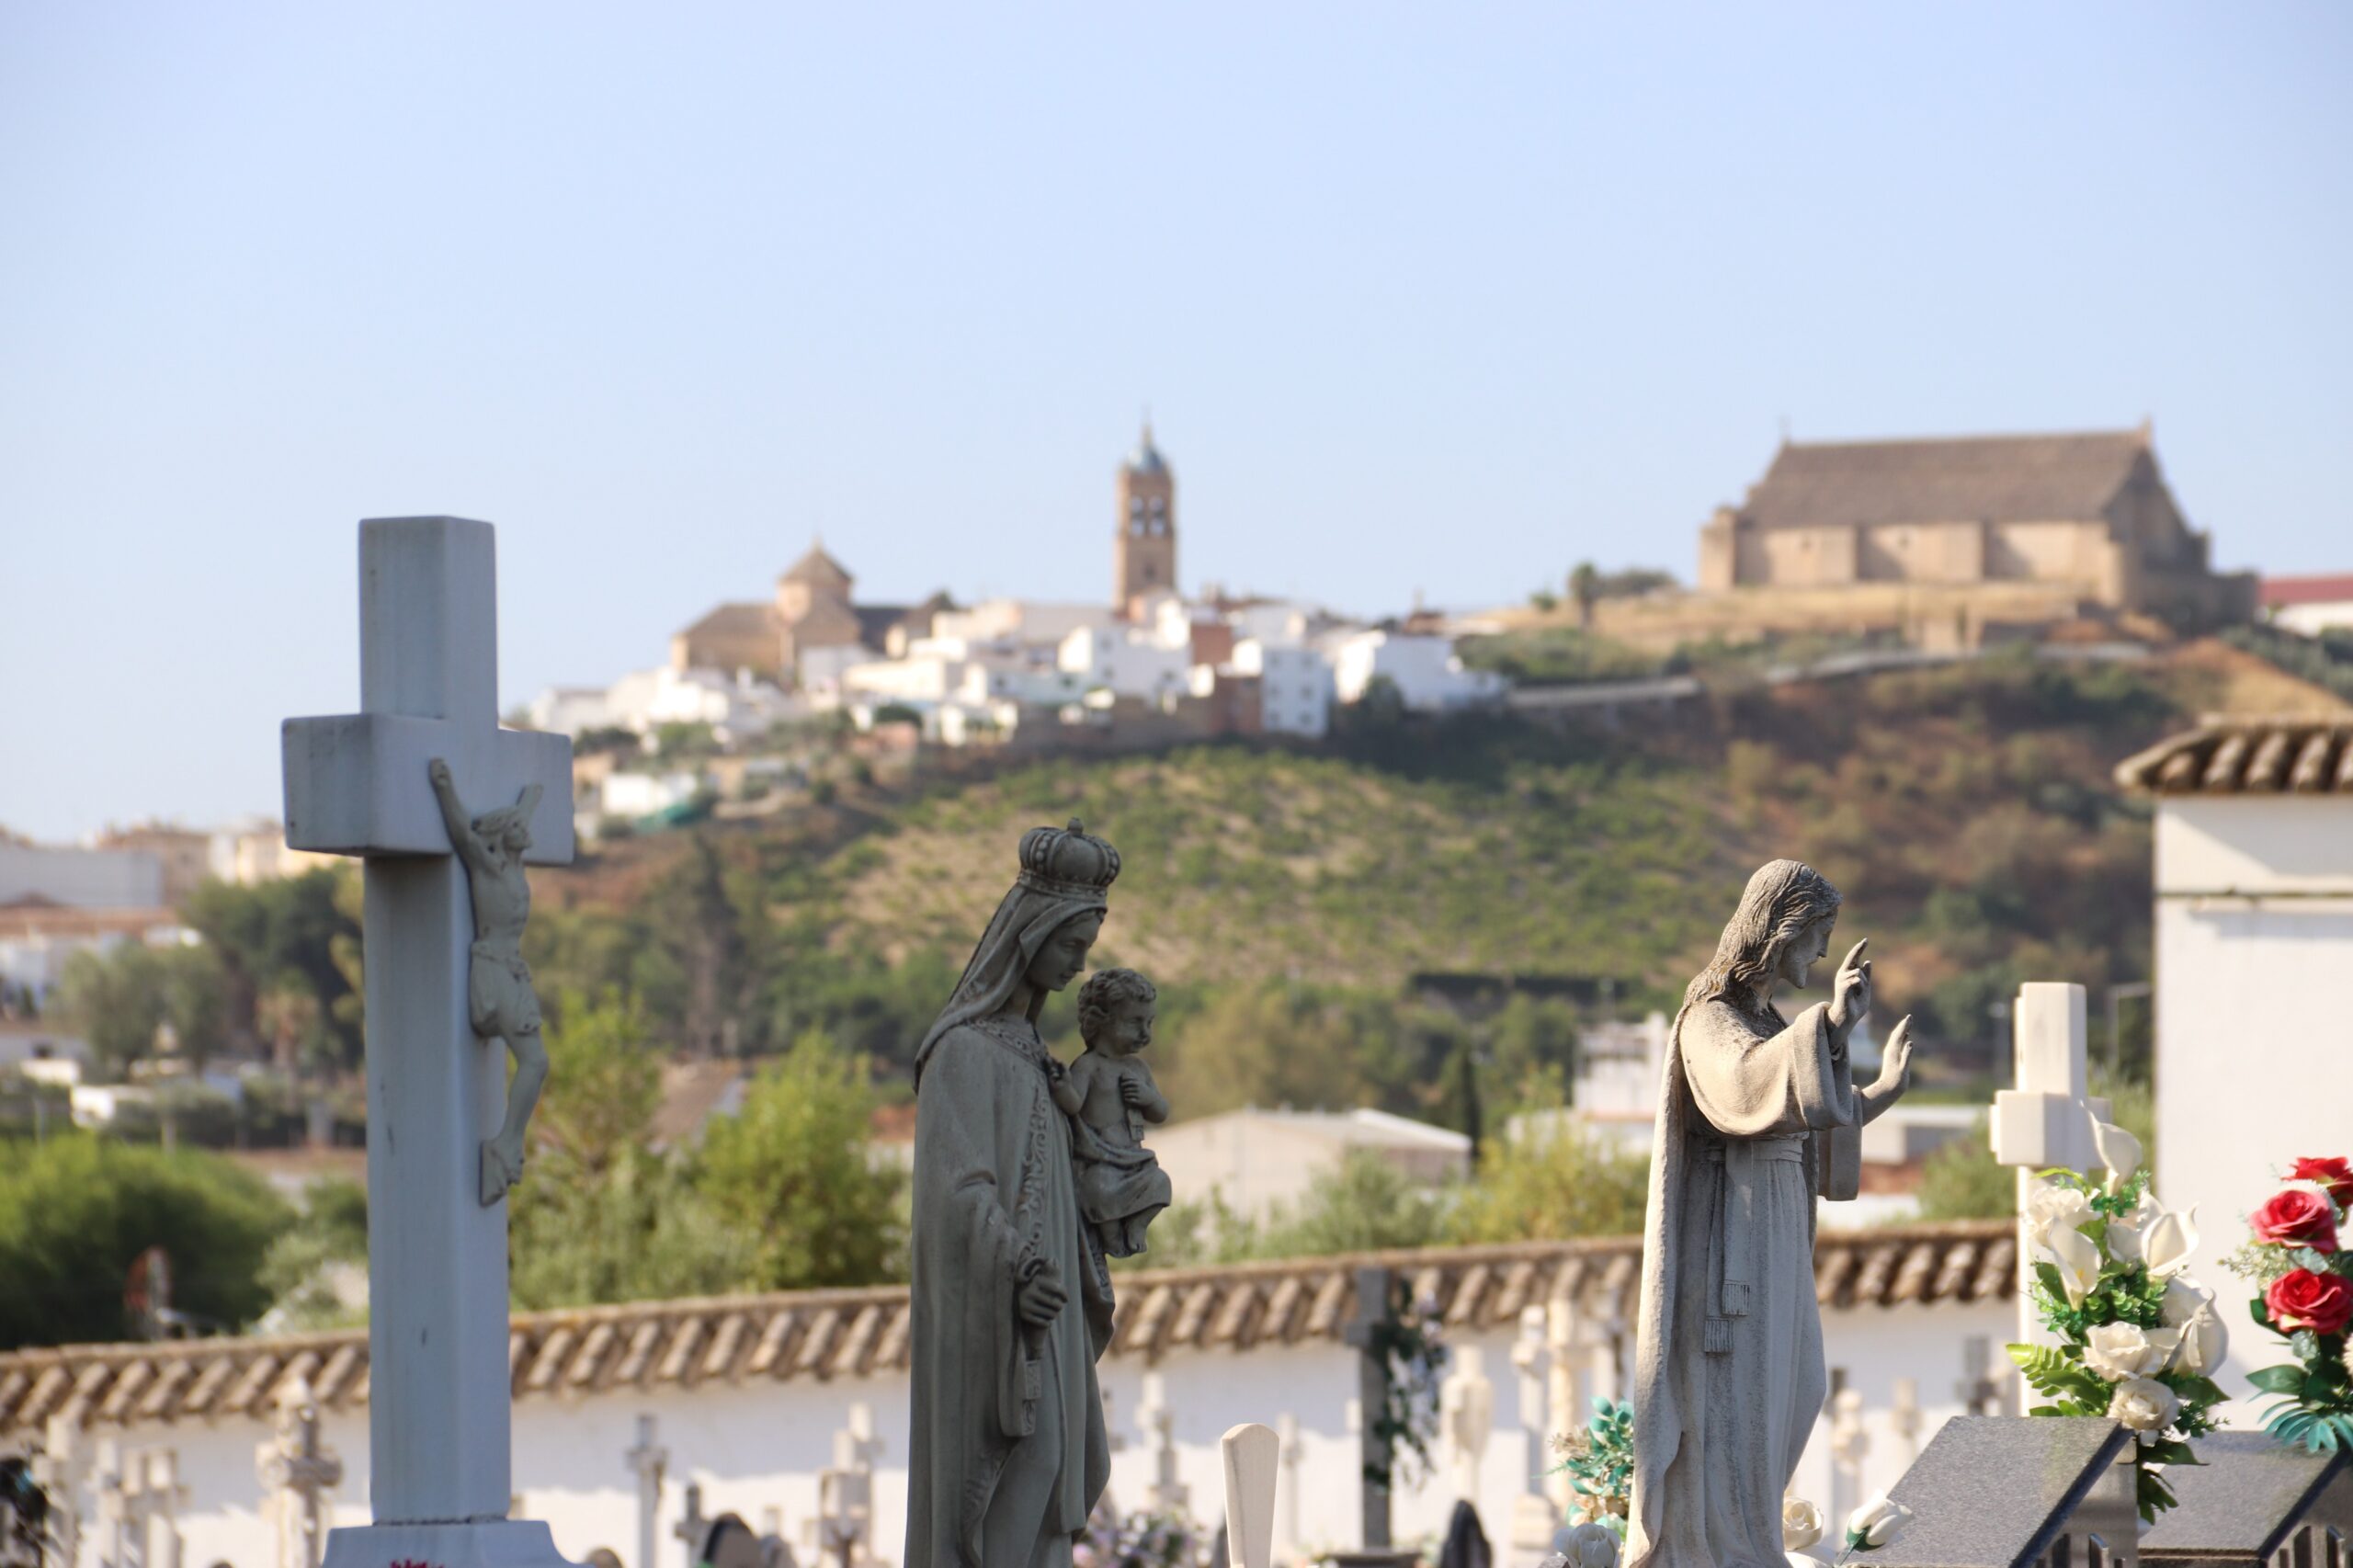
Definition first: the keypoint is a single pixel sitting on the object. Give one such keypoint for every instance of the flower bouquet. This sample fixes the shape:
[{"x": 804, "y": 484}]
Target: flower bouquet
[
  {"x": 1143, "y": 1540},
  {"x": 2299, "y": 1260},
  {"x": 1600, "y": 1459},
  {"x": 2137, "y": 1336}
]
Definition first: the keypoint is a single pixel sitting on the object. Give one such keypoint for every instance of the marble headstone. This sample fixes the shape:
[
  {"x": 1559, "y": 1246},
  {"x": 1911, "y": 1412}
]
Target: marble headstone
[
  {"x": 2013, "y": 1492},
  {"x": 2252, "y": 1495}
]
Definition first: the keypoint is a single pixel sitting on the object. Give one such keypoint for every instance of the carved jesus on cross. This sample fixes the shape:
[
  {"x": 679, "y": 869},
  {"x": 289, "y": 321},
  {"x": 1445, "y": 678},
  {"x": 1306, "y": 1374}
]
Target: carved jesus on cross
[{"x": 500, "y": 1001}]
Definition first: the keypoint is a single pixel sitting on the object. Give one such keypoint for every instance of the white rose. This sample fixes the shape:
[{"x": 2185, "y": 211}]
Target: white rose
[
  {"x": 2119, "y": 1350},
  {"x": 1587, "y": 1546},
  {"x": 1876, "y": 1523},
  {"x": 1802, "y": 1524},
  {"x": 2052, "y": 1206},
  {"x": 2143, "y": 1404},
  {"x": 2078, "y": 1262}
]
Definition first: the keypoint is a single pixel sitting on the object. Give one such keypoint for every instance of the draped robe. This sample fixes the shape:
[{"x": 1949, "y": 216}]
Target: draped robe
[
  {"x": 1756, "y": 1119},
  {"x": 1008, "y": 1452}
]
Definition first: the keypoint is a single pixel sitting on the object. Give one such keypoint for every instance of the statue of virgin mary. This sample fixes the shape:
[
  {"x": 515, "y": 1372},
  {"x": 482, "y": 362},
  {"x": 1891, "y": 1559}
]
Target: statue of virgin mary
[
  {"x": 1010, "y": 1309},
  {"x": 1757, "y": 1116}
]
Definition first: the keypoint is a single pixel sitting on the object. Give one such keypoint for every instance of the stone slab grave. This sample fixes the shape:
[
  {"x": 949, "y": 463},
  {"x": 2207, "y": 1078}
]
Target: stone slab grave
[
  {"x": 2251, "y": 1496},
  {"x": 372, "y": 784},
  {"x": 2015, "y": 1492}
]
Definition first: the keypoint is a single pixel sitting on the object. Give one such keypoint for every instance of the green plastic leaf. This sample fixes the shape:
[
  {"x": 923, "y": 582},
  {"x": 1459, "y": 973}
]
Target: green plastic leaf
[
  {"x": 2171, "y": 1451},
  {"x": 2289, "y": 1380},
  {"x": 2200, "y": 1390},
  {"x": 2305, "y": 1344}
]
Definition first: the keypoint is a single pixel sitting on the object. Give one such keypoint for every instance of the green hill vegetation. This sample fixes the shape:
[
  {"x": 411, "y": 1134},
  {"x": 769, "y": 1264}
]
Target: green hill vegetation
[{"x": 1284, "y": 898}]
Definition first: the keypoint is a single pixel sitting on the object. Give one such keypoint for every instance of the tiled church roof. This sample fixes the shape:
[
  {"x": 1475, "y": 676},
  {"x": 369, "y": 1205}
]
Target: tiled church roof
[
  {"x": 2249, "y": 756},
  {"x": 830, "y": 1334},
  {"x": 1995, "y": 479}
]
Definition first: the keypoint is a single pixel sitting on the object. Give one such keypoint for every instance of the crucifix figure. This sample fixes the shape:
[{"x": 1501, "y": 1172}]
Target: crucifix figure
[
  {"x": 500, "y": 1002},
  {"x": 439, "y": 1415}
]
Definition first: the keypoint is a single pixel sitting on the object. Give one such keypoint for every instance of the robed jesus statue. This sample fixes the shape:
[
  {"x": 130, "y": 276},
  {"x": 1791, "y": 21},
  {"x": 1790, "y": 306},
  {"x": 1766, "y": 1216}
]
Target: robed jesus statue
[
  {"x": 1757, "y": 1116},
  {"x": 1011, "y": 1308}
]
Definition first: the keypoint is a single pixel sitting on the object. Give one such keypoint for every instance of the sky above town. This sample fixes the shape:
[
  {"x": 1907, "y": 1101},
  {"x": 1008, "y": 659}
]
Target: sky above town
[{"x": 1431, "y": 301}]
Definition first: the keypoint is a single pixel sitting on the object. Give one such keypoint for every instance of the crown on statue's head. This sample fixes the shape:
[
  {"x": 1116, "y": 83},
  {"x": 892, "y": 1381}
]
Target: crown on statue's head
[{"x": 1068, "y": 862}]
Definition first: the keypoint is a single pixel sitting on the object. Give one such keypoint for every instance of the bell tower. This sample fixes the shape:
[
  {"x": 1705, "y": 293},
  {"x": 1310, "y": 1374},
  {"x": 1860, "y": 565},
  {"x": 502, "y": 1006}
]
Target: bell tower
[{"x": 1144, "y": 549}]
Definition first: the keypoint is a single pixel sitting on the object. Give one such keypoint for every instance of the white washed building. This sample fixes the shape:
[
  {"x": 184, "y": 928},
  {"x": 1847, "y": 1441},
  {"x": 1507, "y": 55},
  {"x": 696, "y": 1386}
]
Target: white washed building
[
  {"x": 1255, "y": 1159},
  {"x": 1294, "y": 686},
  {"x": 1429, "y": 676},
  {"x": 2254, "y": 940},
  {"x": 747, "y": 1393}
]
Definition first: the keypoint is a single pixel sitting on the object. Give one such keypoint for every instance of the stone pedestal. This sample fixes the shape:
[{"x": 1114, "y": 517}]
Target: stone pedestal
[{"x": 482, "y": 1543}]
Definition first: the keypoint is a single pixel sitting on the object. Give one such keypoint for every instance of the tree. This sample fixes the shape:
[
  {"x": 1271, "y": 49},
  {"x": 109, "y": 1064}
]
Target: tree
[
  {"x": 76, "y": 1210},
  {"x": 330, "y": 1232},
  {"x": 1961, "y": 1181},
  {"x": 1550, "y": 1183},
  {"x": 792, "y": 1171},
  {"x": 1585, "y": 586},
  {"x": 121, "y": 998},
  {"x": 1366, "y": 1204},
  {"x": 602, "y": 1216},
  {"x": 295, "y": 930}
]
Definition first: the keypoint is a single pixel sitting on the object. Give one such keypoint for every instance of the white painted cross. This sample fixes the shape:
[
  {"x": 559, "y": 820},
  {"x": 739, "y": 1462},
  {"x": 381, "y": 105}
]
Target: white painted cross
[
  {"x": 439, "y": 1414},
  {"x": 1158, "y": 1424},
  {"x": 691, "y": 1526},
  {"x": 1850, "y": 1442},
  {"x": 298, "y": 1468},
  {"x": 60, "y": 1468},
  {"x": 2041, "y": 1123},
  {"x": 843, "y": 1527},
  {"x": 1466, "y": 1413},
  {"x": 1904, "y": 1414},
  {"x": 1253, "y": 1454},
  {"x": 646, "y": 1462},
  {"x": 1533, "y": 1518},
  {"x": 1287, "y": 1440}
]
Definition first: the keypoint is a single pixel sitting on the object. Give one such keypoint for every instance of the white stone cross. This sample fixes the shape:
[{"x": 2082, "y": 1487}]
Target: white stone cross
[
  {"x": 439, "y": 1414},
  {"x": 646, "y": 1462},
  {"x": 298, "y": 1469},
  {"x": 1253, "y": 1456},
  {"x": 1286, "y": 1436},
  {"x": 691, "y": 1526},
  {"x": 1904, "y": 1414},
  {"x": 59, "y": 1470},
  {"x": 1850, "y": 1442},
  {"x": 1533, "y": 1518},
  {"x": 1158, "y": 1424},
  {"x": 2041, "y": 1123},
  {"x": 1466, "y": 1407},
  {"x": 845, "y": 1522}
]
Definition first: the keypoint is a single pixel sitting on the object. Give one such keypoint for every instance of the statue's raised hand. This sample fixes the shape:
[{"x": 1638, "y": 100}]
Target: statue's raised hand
[
  {"x": 1850, "y": 994},
  {"x": 1040, "y": 1297},
  {"x": 1894, "y": 1064}
]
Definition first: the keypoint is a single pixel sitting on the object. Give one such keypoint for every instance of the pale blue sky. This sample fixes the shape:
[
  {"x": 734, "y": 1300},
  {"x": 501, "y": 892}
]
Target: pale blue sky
[{"x": 1442, "y": 299}]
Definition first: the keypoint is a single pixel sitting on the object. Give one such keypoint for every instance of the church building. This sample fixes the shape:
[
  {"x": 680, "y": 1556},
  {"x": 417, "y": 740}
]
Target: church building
[
  {"x": 812, "y": 610},
  {"x": 2084, "y": 518},
  {"x": 1144, "y": 545}
]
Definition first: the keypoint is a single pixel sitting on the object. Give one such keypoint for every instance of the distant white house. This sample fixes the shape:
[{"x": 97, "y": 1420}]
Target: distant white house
[
  {"x": 1254, "y": 1159},
  {"x": 2308, "y": 605},
  {"x": 1031, "y": 621},
  {"x": 1428, "y": 673},
  {"x": 737, "y": 704},
  {"x": 1294, "y": 685},
  {"x": 631, "y": 795},
  {"x": 2254, "y": 881},
  {"x": 80, "y": 877},
  {"x": 1128, "y": 661}
]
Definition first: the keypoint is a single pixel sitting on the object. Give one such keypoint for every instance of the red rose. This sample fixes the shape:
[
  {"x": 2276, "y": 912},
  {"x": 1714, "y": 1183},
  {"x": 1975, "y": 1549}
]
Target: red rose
[
  {"x": 2302, "y": 1299},
  {"x": 2335, "y": 1174},
  {"x": 2298, "y": 1217}
]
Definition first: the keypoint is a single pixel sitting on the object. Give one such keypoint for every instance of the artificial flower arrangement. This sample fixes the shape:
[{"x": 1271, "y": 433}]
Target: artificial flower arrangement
[
  {"x": 1600, "y": 1459},
  {"x": 1587, "y": 1544},
  {"x": 2299, "y": 1259},
  {"x": 1143, "y": 1540},
  {"x": 2137, "y": 1336}
]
